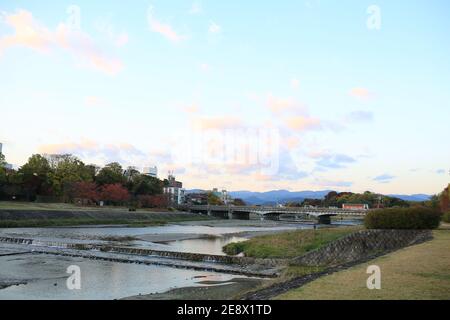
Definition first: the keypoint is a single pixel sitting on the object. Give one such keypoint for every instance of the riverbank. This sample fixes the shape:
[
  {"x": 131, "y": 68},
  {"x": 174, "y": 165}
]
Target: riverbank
[
  {"x": 417, "y": 272},
  {"x": 16, "y": 215},
  {"x": 288, "y": 244},
  {"x": 207, "y": 290}
]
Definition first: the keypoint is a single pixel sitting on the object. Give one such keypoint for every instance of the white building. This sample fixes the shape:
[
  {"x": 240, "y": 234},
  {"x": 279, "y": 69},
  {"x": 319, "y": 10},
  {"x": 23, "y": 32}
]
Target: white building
[
  {"x": 8, "y": 165},
  {"x": 176, "y": 195},
  {"x": 151, "y": 171},
  {"x": 174, "y": 190}
]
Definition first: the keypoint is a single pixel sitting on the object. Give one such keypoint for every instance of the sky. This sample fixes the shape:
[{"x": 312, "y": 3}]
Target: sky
[{"x": 242, "y": 95}]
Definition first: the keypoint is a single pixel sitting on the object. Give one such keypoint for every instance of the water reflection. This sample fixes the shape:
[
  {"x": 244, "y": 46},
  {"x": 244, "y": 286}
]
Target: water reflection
[{"x": 100, "y": 279}]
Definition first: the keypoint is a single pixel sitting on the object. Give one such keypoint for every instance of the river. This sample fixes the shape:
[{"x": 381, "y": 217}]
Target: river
[{"x": 43, "y": 276}]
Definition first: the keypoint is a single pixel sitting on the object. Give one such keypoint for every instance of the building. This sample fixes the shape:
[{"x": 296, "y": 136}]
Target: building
[
  {"x": 351, "y": 206},
  {"x": 151, "y": 171},
  {"x": 200, "y": 198},
  {"x": 174, "y": 190},
  {"x": 222, "y": 195},
  {"x": 8, "y": 165}
]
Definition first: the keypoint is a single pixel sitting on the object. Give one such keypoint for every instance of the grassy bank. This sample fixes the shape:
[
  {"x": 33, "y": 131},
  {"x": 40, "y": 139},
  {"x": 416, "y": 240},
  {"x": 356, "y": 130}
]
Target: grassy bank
[
  {"x": 35, "y": 223},
  {"x": 417, "y": 272},
  {"x": 34, "y": 206},
  {"x": 288, "y": 244},
  {"x": 19, "y": 214}
]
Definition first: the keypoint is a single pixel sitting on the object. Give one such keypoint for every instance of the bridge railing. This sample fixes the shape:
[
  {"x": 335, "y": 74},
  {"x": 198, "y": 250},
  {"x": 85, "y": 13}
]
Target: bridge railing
[{"x": 271, "y": 209}]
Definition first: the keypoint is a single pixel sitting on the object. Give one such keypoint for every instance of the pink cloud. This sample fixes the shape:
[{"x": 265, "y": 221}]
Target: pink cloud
[
  {"x": 93, "y": 101},
  {"x": 303, "y": 123},
  {"x": 120, "y": 152},
  {"x": 279, "y": 105},
  {"x": 218, "y": 123},
  {"x": 360, "y": 93},
  {"x": 165, "y": 30},
  {"x": 191, "y": 109},
  {"x": 31, "y": 34}
]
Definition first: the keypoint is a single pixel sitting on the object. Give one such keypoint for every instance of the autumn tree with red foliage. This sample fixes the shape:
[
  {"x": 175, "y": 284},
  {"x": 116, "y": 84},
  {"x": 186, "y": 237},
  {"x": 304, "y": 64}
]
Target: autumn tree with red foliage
[
  {"x": 85, "y": 190},
  {"x": 114, "y": 193},
  {"x": 155, "y": 201}
]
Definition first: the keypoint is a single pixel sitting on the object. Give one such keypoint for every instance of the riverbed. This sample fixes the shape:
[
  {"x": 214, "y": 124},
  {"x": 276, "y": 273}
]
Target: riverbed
[{"x": 27, "y": 275}]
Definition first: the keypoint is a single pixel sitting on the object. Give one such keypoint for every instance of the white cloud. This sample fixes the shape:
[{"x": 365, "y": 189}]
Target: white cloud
[
  {"x": 214, "y": 28},
  {"x": 196, "y": 8}
]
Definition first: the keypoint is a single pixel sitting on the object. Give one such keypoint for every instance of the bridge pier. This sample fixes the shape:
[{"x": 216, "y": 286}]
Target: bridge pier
[
  {"x": 220, "y": 214},
  {"x": 324, "y": 219},
  {"x": 271, "y": 216},
  {"x": 240, "y": 215}
]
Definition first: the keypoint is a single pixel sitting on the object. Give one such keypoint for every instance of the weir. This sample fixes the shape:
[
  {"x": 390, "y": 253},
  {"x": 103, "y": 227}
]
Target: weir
[{"x": 216, "y": 263}]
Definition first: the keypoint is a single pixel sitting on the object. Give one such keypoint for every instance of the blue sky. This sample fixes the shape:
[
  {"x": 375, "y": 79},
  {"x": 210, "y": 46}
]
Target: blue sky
[{"x": 349, "y": 106}]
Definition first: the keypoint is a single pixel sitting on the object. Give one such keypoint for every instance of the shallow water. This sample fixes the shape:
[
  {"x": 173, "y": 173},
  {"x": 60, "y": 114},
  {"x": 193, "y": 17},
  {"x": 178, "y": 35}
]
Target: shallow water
[
  {"x": 212, "y": 241},
  {"x": 46, "y": 278},
  {"x": 46, "y": 274}
]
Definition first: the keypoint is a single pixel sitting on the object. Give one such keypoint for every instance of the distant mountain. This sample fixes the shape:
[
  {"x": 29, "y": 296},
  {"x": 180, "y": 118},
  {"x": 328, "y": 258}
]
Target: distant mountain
[
  {"x": 412, "y": 197},
  {"x": 282, "y": 196},
  {"x": 277, "y": 196}
]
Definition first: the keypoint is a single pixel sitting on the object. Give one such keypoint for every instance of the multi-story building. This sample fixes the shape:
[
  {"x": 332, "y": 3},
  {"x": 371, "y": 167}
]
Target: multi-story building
[
  {"x": 151, "y": 171},
  {"x": 174, "y": 190},
  {"x": 223, "y": 195},
  {"x": 8, "y": 165}
]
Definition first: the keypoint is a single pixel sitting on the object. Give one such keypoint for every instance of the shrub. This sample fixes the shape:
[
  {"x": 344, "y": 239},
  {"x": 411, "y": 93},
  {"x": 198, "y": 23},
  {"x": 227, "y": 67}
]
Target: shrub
[
  {"x": 446, "y": 217},
  {"x": 403, "y": 218}
]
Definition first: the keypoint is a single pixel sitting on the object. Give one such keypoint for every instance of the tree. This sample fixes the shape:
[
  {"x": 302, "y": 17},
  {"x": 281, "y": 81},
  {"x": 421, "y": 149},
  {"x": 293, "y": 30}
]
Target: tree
[
  {"x": 145, "y": 185},
  {"x": 130, "y": 173},
  {"x": 2, "y": 160},
  {"x": 66, "y": 170},
  {"x": 239, "y": 202},
  {"x": 2, "y": 170},
  {"x": 444, "y": 199},
  {"x": 213, "y": 199},
  {"x": 114, "y": 193},
  {"x": 155, "y": 201},
  {"x": 87, "y": 191},
  {"x": 35, "y": 176},
  {"x": 112, "y": 173}
]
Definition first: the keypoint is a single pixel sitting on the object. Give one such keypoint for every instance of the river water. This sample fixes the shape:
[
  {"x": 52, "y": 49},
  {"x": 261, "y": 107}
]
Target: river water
[{"x": 43, "y": 276}]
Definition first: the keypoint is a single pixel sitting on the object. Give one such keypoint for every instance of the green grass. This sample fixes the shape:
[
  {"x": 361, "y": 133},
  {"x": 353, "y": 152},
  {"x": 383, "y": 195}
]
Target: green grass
[
  {"x": 288, "y": 244},
  {"x": 417, "y": 272},
  {"x": 34, "y": 206}
]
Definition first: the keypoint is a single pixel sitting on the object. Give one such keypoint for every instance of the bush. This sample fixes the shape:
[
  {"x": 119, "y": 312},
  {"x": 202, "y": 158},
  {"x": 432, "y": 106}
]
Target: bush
[
  {"x": 446, "y": 217},
  {"x": 403, "y": 218}
]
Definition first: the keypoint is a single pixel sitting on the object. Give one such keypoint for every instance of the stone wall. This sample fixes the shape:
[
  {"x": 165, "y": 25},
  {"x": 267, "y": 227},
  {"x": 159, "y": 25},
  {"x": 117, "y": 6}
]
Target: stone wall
[
  {"x": 362, "y": 245},
  {"x": 90, "y": 213}
]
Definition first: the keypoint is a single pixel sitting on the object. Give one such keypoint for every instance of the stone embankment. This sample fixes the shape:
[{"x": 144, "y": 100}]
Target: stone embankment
[
  {"x": 361, "y": 245},
  {"x": 353, "y": 249},
  {"x": 98, "y": 214}
]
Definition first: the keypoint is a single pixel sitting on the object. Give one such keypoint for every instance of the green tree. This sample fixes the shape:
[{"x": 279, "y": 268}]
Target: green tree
[
  {"x": 145, "y": 185},
  {"x": 112, "y": 173},
  {"x": 2, "y": 160},
  {"x": 35, "y": 176},
  {"x": 214, "y": 199},
  {"x": 2, "y": 170},
  {"x": 66, "y": 170}
]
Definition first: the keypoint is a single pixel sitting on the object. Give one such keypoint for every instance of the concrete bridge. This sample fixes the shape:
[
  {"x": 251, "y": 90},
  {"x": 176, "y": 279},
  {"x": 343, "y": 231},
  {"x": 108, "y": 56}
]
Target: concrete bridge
[{"x": 323, "y": 215}]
